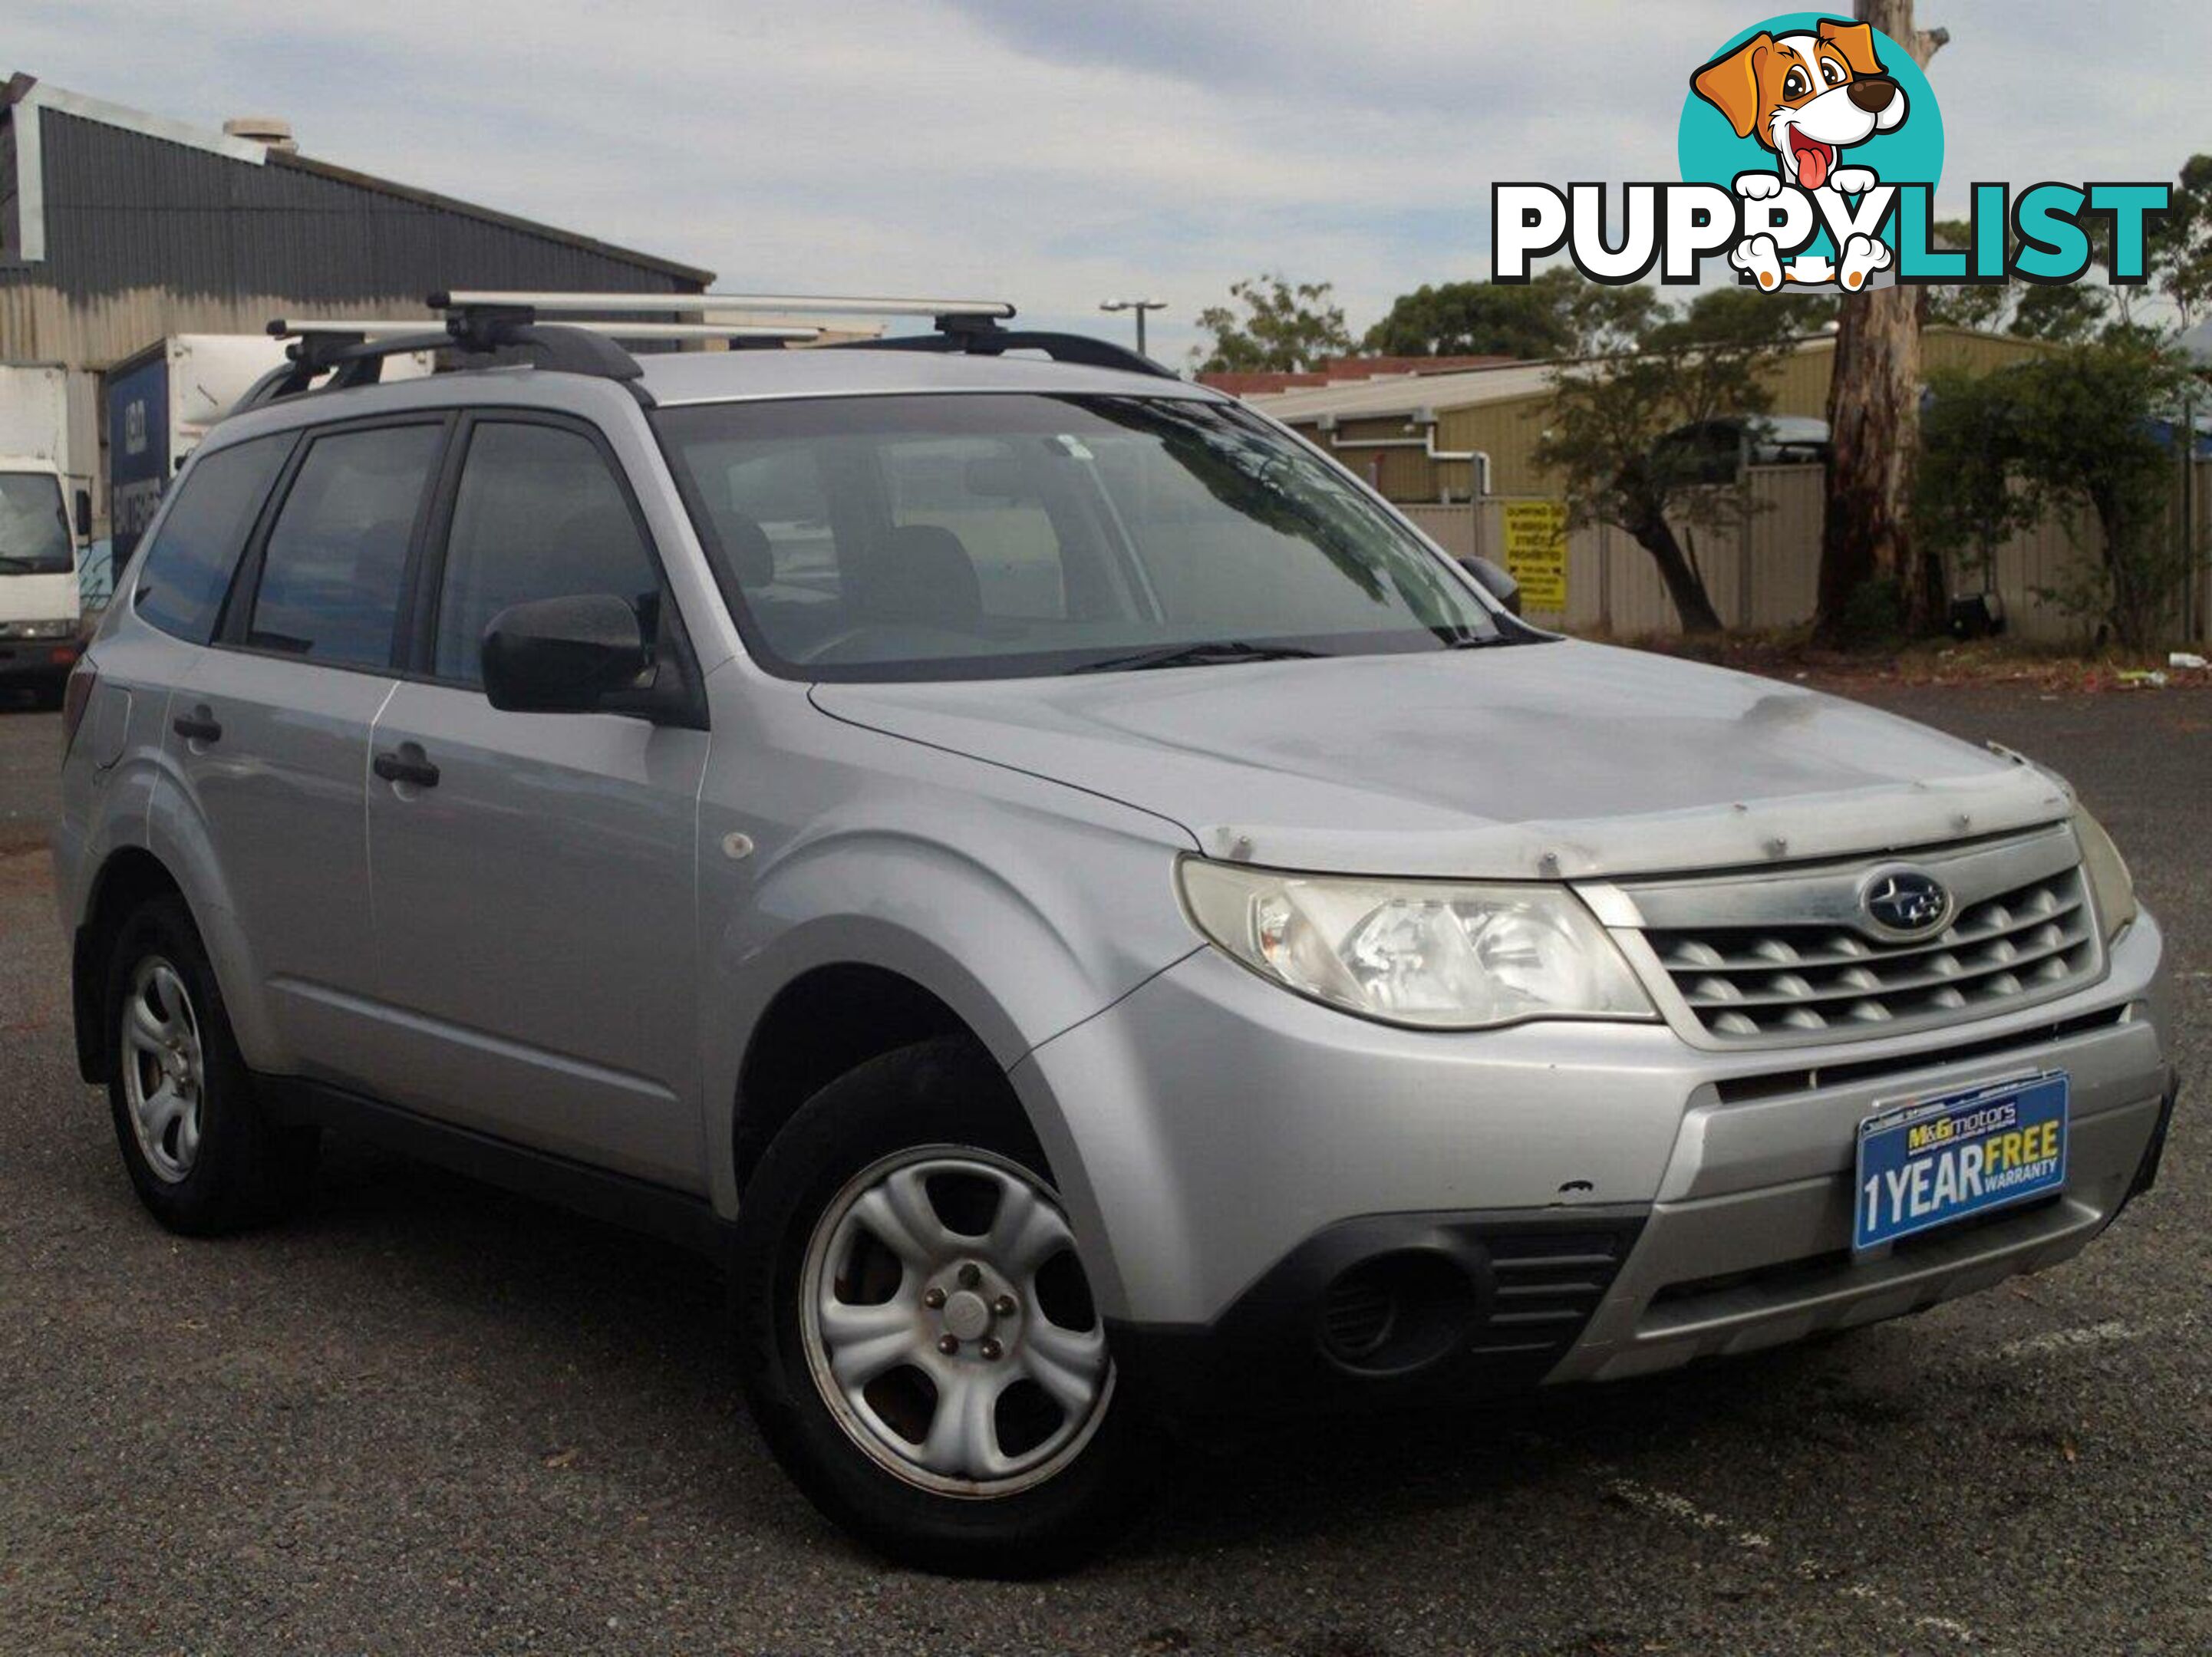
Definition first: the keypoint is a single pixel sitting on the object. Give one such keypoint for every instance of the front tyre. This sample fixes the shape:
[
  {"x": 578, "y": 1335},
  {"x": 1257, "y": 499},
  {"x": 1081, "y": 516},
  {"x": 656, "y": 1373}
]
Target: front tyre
[
  {"x": 919, "y": 1341},
  {"x": 203, "y": 1154}
]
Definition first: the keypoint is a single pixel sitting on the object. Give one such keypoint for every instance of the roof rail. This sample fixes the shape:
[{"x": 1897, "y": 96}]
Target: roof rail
[
  {"x": 990, "y": 340},
  {"x": 353, "y": 354}
]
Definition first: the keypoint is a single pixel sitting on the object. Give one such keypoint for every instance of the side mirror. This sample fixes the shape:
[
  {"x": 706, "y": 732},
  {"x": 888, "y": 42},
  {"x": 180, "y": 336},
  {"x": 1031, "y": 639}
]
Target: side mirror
[
  {"x": 1495, "y": 581},
  {"x": 84, "y": 515},
  {"x": 563, "y": 655}
]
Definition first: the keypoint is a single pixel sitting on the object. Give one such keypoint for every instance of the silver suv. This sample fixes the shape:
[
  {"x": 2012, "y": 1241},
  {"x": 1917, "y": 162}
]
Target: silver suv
[{"x": 1097, "y": 920}]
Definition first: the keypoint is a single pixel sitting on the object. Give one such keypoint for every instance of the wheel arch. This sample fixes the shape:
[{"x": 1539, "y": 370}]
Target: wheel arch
[
  {"x": 128, "y": 877},
  {"x": 825, "y": 1023}
]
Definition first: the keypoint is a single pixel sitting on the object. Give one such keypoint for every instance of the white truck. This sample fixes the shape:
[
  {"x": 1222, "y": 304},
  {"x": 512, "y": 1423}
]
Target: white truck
[{"x": 45, "y": 515}]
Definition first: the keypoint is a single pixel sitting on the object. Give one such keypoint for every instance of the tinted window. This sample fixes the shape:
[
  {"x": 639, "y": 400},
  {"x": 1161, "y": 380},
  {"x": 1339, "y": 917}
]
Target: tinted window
[
  {"x": 538, "y": 516},
  {"x": 185, "y": 574},
  {"x": 337, "y": 553}
]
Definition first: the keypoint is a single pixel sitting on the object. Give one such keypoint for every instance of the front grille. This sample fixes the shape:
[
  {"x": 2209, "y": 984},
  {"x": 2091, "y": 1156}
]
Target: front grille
[{"x": 1786, "y": 964}]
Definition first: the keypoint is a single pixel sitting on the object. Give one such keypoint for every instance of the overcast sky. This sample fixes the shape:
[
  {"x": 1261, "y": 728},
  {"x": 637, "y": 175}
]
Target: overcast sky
[{"x": 1060, "y": 153}]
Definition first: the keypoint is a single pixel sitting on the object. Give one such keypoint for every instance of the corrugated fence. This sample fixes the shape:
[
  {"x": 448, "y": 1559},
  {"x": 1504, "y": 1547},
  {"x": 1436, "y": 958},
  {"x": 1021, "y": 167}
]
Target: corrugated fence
[{"x": 1764, "y": 571}]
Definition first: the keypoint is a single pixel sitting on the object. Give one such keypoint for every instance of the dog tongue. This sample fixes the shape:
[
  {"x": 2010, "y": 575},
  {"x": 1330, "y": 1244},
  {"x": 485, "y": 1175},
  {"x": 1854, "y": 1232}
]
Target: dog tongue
[{"x": 1812, "y": 167}]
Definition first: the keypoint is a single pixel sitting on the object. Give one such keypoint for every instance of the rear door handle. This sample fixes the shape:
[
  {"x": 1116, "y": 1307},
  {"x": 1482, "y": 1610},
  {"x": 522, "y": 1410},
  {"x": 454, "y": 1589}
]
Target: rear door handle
[
  {"x": 198, "y": 725},
  {"x": 405, "y": 764}
]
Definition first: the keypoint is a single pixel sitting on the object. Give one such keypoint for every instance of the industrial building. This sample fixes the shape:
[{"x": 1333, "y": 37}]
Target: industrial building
[
  {"x": 1432, "y": 437},
  {"x": 119, "y": 227},
  {"x": 1457, "y": 451}
]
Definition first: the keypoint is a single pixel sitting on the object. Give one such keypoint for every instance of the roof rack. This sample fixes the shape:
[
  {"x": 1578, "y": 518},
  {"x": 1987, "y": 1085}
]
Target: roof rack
[
  {"x": 967, "y": 326},
  {"x": 819, "y": 305},
  {"x": 484, "y": 321},
  {"x": 290, "y": 328}
]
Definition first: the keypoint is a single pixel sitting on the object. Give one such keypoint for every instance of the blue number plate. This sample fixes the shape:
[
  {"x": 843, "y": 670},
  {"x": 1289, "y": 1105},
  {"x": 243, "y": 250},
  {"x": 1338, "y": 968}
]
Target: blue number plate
[{"x": 1931, "y": 1162}]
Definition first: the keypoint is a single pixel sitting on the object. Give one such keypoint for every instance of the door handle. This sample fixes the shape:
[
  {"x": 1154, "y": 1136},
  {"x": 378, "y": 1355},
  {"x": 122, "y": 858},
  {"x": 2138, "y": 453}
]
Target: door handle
[
  {"x": 198, "y": 725},
  {"x": 406, "y": 764}
]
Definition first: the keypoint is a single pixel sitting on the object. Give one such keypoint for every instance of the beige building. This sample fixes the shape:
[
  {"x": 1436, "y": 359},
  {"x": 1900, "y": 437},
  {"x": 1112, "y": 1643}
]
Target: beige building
[{"x": 1432, "y": 437}]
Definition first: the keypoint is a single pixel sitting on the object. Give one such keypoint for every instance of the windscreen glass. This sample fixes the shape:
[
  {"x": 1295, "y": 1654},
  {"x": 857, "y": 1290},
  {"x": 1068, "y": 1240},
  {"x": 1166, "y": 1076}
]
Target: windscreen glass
[
  {"x": 985, "y": 535},
  {"x": 35, "y": 526}
]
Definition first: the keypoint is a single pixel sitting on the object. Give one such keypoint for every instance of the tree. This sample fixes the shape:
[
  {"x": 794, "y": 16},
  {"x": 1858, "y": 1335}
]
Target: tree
[
  {"x": 2065, "y": 315},
  {"x": 1272, "y": 324},
  {"x": 1748, "y": 316},
  {"x": 2179, "y": 242},
  {"x": 1556, "y": 313},
  {"x": 2073, "y": 312},
  {"x": 1479, "y": 319},
  {"x": 1607, "y": 441},
  {"x": 1874, "y": 402},
  {"x": 2073, "y": 431}
]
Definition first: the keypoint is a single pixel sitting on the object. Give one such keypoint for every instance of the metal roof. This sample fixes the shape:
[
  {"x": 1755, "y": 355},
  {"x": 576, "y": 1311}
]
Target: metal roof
[
  {"x": 1404, "y": 394},
  {"x": 1379, "y": 398},
  {"x": 97, "y": 160}
]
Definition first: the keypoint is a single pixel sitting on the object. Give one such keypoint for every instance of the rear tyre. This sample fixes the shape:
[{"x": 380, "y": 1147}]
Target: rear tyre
[
  {"x": 201, "y": 1152},
  {"x": 917, "y": 1337}
]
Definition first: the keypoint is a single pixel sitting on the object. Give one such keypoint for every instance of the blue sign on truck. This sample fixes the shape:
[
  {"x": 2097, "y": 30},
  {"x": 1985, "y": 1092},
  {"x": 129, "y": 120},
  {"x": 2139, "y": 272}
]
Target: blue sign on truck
[{"x": 137, "y": 447}]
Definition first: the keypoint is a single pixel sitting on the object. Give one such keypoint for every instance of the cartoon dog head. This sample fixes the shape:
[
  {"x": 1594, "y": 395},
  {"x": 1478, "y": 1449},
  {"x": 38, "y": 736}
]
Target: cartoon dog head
[{"x": 1806, "y": 97}]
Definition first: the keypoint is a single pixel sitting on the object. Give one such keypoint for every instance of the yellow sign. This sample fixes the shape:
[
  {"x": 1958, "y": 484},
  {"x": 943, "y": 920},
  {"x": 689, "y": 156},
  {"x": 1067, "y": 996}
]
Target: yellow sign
[{"x": 1537, "y": 553}]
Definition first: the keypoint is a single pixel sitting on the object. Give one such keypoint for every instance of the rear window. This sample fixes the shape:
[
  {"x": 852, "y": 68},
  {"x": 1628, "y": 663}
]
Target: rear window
[
  {"x": 186, "y": 571},
  {"x": 336, "y": 554}
]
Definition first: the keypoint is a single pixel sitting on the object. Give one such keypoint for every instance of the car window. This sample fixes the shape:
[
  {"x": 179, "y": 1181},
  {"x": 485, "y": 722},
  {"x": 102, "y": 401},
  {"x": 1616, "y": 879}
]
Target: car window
[
  {"x": 984, "y": 534},
  {"x": 538, "y": 515},
  {"x": 980, "y": 496},
  {"x": 337, "y": 556},
  {"x": 187, "y": 567},
  {"x": 773, "y": 511}
]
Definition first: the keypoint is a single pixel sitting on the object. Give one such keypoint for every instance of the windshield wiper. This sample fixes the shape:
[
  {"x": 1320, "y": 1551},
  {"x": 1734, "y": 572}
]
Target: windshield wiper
[{"x": 1207, "y": 652}]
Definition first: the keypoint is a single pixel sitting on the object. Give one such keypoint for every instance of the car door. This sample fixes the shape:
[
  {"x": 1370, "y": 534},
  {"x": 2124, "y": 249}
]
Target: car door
[
  {"x": 534, "y": 873},
  {"x": 269, "y": 729}
]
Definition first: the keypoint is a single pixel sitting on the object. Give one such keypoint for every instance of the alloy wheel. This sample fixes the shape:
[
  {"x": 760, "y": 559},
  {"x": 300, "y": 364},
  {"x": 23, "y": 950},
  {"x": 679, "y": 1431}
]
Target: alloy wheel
[{"x": 164, "y": 1069}]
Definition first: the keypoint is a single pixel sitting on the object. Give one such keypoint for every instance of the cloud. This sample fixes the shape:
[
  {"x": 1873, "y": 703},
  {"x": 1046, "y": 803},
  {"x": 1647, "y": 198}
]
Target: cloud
[{"x": 1062, "y": 153}]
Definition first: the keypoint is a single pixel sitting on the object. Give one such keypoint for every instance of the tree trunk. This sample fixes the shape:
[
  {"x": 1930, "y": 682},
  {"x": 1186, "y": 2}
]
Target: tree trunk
[
  {"x": 1683, "y": 585},
  {"x": 1873, "y": 422}
]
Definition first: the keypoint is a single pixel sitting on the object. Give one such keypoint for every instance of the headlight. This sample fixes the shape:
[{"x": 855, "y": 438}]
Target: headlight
[
  {"x": 1438, "y": 955},
  {"x": 37, "y": 630},
  {"x": 2113, "y": 887}
]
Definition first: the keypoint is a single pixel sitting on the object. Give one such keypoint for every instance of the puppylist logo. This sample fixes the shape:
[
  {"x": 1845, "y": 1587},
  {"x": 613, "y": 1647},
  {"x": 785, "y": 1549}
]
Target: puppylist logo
[{"x": 1810, "y": 149}]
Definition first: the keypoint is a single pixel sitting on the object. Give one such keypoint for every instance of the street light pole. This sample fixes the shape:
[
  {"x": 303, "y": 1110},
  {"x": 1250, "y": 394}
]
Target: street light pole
[{"x": 1140, "y": 306}]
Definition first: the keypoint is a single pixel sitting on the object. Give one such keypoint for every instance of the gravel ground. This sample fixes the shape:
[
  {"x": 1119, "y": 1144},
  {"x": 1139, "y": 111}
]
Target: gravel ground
[{"x": 430, "y": 1418}]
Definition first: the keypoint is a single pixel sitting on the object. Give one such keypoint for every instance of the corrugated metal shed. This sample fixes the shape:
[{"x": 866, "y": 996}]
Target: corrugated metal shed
[{"x": 118, "y": 227}]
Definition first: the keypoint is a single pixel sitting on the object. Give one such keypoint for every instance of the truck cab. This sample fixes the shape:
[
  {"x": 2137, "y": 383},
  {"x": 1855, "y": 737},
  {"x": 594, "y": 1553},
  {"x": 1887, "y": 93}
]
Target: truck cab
[{"x": 38, "y": 598}]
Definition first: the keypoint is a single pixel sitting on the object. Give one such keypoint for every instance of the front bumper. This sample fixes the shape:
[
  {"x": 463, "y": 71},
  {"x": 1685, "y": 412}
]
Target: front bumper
[
  {"x": 22, "y": 660},
  {"x": 1212, "y": 1133}
]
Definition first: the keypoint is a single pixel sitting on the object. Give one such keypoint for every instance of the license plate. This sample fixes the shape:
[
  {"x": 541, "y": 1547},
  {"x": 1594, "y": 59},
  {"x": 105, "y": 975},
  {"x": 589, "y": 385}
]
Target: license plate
[{"x": 1927, "y": 1162}]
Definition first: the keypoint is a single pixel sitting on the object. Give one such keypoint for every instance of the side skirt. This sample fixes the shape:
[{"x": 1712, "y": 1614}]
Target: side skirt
[{"x": 620, "y": 1199}]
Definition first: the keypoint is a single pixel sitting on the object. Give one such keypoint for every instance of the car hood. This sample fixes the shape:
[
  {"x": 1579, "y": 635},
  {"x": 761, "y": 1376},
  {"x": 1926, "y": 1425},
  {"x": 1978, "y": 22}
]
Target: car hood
[{"x": 1536, "y": 760}]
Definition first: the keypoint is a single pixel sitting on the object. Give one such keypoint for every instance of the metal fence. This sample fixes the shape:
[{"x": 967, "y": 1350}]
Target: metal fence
[{"x": 1764, "y": 571}]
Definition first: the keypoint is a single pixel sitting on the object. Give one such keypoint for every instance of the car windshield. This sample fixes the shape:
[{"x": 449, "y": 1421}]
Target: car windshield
[
  {"x": 949, "y": 537},
  {"x": 34, "y": 528}
]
